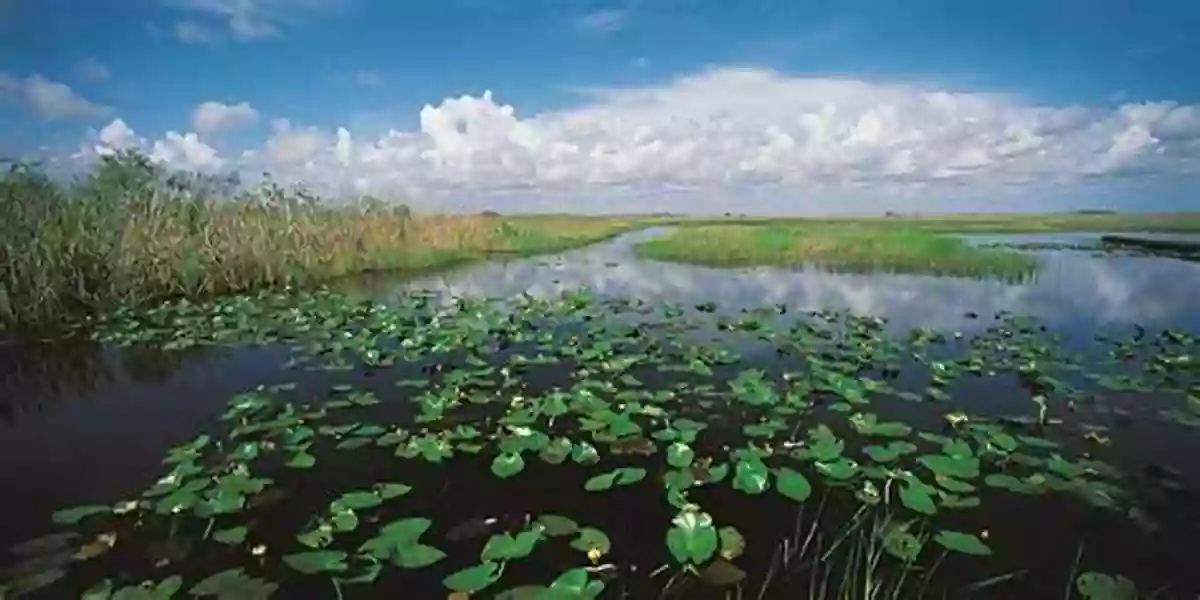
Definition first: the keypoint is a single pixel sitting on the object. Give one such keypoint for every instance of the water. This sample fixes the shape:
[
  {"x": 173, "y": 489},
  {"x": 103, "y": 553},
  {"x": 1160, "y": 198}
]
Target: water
[{"x": 84, "y": 423}]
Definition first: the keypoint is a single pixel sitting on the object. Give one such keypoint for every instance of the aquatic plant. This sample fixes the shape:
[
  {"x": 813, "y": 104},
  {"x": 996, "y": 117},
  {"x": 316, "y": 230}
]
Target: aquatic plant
[
  {"x": 574, "y": 447},
  {"x": 839, "y": 248}
]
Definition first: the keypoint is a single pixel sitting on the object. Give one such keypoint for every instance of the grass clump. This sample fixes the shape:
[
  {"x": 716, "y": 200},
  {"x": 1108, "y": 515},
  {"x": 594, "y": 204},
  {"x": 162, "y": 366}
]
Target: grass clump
[
  {"x": 852, "y": 249},
  {"x": 129, "y": 233}
]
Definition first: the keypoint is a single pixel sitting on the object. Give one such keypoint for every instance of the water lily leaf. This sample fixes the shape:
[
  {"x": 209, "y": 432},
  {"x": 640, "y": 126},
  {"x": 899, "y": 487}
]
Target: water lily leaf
[
  {"x": 962, "y": 542},
  {"x": 733, "y": 544},
  {"x": 840, "y": 469},
  {"x": 750, "y": 476},
  {"x": 473, "y": 579},
  {"x": 301, "y": 460},
  {"x": 902, "y": 543},
  {"x": 585, "y": 454},
  {"x": 508, "y": 464},
  {"x": 358, "y": 500},
  {"x": 1101, "y": 586},
  {"x": 99, "y": 591},
  {"x": 722, "y": 573},
  {"x": 574, "y": 584},
  {"x": 692, "y": 539},
  {"x": 918, "y": 497},
  {"x": 387, "y": 491},
  {"x": 630, "y": 475},
  {"x": 590, "y": 539},
  {"x": 317, "y": 561},
  {"x": 231, "y": 536},
  {"x": 557, "y": 525},
  {"x": 505, "y": 547},
  {"x": 71, "y": 516},
  {"x": 344, "y": 521},
  {"x": 792, "y": 484},
  {"x": 233, "y": 583},
  {"x": 600, "y": 483},
  {"x": 525, "y": 592},
  {"x": 679, "y": 455},
  {"x": 417, "y": 556},
  {"x": 1008, "y": 482},
  {"x": 958, "y": 466}
]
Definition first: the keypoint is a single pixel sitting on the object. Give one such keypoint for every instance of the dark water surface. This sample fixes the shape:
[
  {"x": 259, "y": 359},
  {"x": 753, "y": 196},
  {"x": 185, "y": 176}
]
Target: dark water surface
[{"x": 83, "y": 423}]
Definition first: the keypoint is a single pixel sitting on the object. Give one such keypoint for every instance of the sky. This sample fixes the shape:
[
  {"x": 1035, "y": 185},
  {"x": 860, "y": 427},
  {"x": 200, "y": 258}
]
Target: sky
[{"x": 706, "y": 106}]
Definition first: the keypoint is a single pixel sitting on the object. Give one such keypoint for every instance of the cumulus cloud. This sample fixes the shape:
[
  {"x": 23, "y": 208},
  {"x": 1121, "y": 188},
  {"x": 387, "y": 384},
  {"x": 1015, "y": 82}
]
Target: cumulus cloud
[
  {"x": 210, "y": 117},
  {"x": 246, "y": 20},
  {"x": 733, "y": 131},
  {"x": 92, "y": 70},
  {"x": 178, "y": 151},
  {"x": 49, "y": 100}
]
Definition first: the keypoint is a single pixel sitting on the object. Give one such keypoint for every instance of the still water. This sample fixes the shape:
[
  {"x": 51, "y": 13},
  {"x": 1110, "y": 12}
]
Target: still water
[{"x": 83, "y": 423}]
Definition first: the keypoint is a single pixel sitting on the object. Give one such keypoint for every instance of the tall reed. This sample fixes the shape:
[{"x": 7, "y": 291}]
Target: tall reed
[{"x": 129, "y": 233}]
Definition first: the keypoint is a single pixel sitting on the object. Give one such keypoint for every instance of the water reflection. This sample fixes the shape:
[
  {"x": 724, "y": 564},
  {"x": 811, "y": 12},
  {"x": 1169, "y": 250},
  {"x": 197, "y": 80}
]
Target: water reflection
[{"x": 1073, "y": 290}]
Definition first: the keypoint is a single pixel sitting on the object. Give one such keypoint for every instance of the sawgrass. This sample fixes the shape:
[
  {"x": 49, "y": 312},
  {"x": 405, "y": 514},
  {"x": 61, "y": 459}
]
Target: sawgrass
[
  {"x": 840, "y": 248},
  {"x": 128, "y": 234}
]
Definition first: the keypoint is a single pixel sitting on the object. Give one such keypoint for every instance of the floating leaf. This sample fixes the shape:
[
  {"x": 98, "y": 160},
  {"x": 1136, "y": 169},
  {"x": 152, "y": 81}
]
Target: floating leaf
[
  {"x": 792, "y": 484},
  {"x": 1101, "y": 586},
  {"x": 692, "y": 539},
  {"x": 473, "y": 579},
  {"x": 508, "y": 464},
  {"x": 918, "y": 497},
  {"x": 962, "y": 542},
  {"x": 680, "y": 455},
  {"x": 231, "y": 536},
  {"x": 557, "y": 525},
  {"x": 71, "y": 516},
  {"x": 317, "y": 561}
]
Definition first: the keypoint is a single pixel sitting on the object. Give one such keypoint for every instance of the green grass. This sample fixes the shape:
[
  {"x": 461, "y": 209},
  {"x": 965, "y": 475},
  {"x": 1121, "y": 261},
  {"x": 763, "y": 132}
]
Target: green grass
[
  {"x": 1181, "y": 222},
  {"x": 128, "y": 235},
  {"x": 842, "y": 248}
]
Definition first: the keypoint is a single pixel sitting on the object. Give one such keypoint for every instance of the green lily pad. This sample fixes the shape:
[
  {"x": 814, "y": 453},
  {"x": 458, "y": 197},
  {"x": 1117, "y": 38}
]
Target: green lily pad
[
  {"x": 965, "y": 543},
  {"x": 508, "y": 464},
  {"x": 317, "y": 561},
  {"x": 473, "y": 579},
  {"x": 792, "y": 484}
]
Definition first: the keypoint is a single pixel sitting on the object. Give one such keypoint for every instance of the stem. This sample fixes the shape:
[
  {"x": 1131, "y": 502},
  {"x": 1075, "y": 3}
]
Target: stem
[
  {"x": 1074, "y": 572},
  {"x": 337, "y": 588}
]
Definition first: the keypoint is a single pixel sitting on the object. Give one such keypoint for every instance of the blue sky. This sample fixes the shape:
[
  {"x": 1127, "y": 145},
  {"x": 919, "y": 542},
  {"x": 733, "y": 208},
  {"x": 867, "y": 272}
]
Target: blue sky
[{"x": 1104, "y": 90}]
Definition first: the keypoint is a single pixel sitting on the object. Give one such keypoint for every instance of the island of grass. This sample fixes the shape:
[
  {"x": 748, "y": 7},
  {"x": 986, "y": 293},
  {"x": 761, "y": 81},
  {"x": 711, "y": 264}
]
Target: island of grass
[{"x": 846, "y": 248}]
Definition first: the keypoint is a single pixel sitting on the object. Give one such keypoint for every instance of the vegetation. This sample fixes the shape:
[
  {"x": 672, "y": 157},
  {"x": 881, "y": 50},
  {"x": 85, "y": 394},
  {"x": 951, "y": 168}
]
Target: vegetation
[
  {"x": 129, "y": 234},
  {"x": 1185, "y": 222},
  {"x": 845, "y": 248},
  {"x": 505, "y": 459}
]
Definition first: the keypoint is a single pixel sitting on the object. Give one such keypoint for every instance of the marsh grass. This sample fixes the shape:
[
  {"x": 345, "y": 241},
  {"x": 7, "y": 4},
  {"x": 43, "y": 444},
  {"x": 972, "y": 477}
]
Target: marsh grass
[
  {"x": 839, "y": 248},
  {"x": 1180, "y": 222},
  {"x": 128, "y": 234}
]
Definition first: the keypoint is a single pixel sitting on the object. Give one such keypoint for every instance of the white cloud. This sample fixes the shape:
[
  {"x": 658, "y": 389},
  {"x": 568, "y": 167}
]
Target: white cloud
[
  {"x": 50, "y": 100},
  {"x": 603, "y": 21},
  {"x": 92, "y": 70},
  {"x": 368, "y": 78},
  {"x": 210, "y": 117},
  {"x": 178, "y": 151},
  {"x": 289, "y": 146},
  {"x": 186, "y": 152},
  {"x": 731, "y": 137},
  {"x": 247, "y": 20},
  {"x": 191, "y": 32}
]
